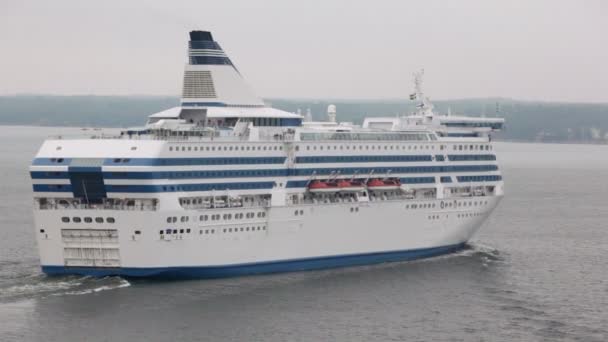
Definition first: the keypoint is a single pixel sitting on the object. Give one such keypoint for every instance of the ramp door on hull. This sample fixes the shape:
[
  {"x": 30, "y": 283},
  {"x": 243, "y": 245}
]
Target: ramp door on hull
[{"x": 90, "y": 247}]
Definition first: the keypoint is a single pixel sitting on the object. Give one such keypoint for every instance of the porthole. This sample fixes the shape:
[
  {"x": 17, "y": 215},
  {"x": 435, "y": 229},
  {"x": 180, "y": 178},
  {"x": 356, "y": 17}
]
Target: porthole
[
  {"x": 88, "y": 220},
  {"x": 65, "y": 219},
  {"x": 137, "y": 232},
  {"x": 76, "y": 219},
  {"x": 110, "y": 220}
]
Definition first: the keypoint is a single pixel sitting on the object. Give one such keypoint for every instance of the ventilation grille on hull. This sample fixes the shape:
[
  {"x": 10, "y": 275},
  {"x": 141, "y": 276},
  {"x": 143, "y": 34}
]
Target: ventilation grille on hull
[{"x": 198, "y": 85}]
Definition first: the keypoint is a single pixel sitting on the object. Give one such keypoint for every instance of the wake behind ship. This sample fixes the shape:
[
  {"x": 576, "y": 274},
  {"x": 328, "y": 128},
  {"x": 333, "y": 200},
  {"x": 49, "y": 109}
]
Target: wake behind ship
[{"x": 224, "y": 185}]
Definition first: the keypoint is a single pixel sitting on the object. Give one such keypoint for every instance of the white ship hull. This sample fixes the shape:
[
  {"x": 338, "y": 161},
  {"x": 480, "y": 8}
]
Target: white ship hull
[{"x": 322, "y": 237}]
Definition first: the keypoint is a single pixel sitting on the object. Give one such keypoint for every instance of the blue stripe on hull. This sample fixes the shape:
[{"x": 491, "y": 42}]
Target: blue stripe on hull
[{"x": 256, "y": 268}]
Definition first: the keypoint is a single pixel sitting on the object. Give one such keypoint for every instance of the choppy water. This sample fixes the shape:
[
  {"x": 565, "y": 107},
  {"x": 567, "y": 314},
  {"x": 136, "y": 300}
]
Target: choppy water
[{"x": 537, "y": 271}]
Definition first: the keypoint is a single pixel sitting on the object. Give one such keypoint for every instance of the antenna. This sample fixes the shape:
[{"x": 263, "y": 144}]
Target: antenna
[{"x": 424, "y": 105}]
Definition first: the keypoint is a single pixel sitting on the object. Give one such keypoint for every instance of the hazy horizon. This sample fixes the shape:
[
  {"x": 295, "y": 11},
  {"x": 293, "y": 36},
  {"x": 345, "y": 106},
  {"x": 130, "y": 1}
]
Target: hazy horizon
[{"x": 550, "y": 51}]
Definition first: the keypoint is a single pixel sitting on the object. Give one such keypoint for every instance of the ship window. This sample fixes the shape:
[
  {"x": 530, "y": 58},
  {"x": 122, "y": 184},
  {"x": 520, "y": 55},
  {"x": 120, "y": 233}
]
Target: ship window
[
  {"x": 76, "y": 219},
  {"x": 174, "y": 219},
  {"x": 170, "y": 148},
  {"x": 188, "y": 230},
  {"x": 181, "y": 231},
  {"x": 162, "y": 232},
  {"x": 110, "y": 220},
  {"x": 99, "y": 219},
  {"x": 137, "y": 232},
  {"x": 88, "y": 220},
  {"x": 65, "y": 219}
]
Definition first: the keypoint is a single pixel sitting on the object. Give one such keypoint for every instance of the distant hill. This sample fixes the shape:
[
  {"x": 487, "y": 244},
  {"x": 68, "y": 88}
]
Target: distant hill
[{"x": 526, "y": 120}]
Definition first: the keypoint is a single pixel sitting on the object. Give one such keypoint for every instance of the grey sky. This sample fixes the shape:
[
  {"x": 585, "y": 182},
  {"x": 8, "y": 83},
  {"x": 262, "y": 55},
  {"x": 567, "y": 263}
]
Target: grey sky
[{"x": 542, "y": 50}]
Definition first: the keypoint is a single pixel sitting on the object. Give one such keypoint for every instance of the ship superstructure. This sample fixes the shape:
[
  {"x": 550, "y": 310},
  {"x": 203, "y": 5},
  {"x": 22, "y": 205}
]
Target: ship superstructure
[{"x": 223, "y": 185}]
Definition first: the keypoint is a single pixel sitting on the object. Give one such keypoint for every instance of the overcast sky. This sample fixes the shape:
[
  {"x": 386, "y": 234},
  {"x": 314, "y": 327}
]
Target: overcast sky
[{"x": 541, "y": 50}]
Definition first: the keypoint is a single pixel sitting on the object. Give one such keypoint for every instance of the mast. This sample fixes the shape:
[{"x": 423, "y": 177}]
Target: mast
[{"x": 424, "y": 107}]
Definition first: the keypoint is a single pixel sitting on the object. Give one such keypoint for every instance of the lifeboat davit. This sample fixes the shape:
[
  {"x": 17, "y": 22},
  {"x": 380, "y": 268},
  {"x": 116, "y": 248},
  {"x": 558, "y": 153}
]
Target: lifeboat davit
[
  {"x": 384, "y": 184},
  {"x": 318, "y": 186},
  {"x": 350, "y": 186}
]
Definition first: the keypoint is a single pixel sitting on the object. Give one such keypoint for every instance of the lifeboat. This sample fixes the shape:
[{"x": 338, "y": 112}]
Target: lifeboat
[
  {"x": 350, "y": 186},
  {"x": 384, "y": 184},
  {"x": 318, "y": 186}
]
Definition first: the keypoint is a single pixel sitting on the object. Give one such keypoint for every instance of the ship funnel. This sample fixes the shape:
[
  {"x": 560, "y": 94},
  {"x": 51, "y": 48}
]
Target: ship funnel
[{"x": 210, "y": 77}]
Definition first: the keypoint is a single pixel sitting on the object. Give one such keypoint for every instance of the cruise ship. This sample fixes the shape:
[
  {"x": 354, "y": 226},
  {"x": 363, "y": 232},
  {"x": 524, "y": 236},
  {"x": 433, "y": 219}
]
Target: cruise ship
[{"x": 224, "y": 185}]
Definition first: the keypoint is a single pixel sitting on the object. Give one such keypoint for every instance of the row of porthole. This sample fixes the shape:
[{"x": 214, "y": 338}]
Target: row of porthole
[
  {"x": 420, "y": 206},
  {"x": 469, "y": 215},
  {"x": 212, "y": 231},
  {"x": 472, "y": 147},
  {"x": 226, "y": 148},
  {"x": 447, "y": 204},
  {"x": 215, "y": 217},
  {"x": 175, "y": 231},
  {"x": 77, "y": 219},
  {"x": 173, "y": 219},
  {"x": 244, "y": 229}
]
